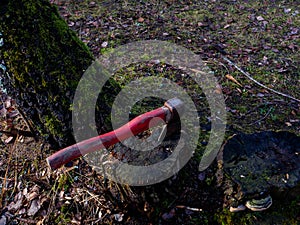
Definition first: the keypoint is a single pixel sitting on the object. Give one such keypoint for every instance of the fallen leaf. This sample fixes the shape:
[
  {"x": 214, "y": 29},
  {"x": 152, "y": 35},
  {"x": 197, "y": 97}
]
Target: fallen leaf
[
  {"x": 104, "y": 44},
  {"x": 260, "y": 95},
  {"x": 218, "y": 89},
  {"x": 74, "y": 221},
  {"x": 287, "y": 10},
  {"x": 8, "y": 103},
  {"x": 2, "y": 111},
  {"x": 15, "y": 205},
  {"x": 8, "y": 140},
  {"x": 141, "y": 19},
  {"x": 34, "y": 207},
  {"x": 13, "y": 113},
  {"x": 169, "y": 215},
  {"x": 119, "y": 217},
  {"x": 44, "y": 199},
  {"x": 22, "y": 211},
  {"x": 3, "y": 220},
  {"x": 288, "y": 124},
  {"x": 25, "y": 191},
  {"x": 260, "y": 18},
  {"x": 201, "y": 176},
  {"x": 200, "y": 24},
  {"x": 231, "y": 78},
  {"x": 32, "y": 196},
  {"x": 92, "y": 3}
]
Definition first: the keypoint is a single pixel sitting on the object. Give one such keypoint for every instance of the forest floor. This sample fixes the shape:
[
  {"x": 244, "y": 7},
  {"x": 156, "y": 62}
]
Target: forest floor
[{"x": 261, "y": 37}]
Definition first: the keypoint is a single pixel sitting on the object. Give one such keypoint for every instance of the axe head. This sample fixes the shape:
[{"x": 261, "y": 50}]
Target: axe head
[{"x": 176, "y": 107}]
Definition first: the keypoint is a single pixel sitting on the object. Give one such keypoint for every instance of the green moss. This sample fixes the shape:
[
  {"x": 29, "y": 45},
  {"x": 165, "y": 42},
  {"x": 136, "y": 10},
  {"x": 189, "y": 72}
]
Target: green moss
[
  {"x": 46, "y": 60},
  {"x": 195, "y": 16},
  {"x": 62, "y": 181},
  {"x": 65, "y": 215},
  {"x": 52, "y": 124}
]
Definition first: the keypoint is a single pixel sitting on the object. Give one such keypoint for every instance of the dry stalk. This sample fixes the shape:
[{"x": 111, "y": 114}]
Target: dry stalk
[{"x": 3, "y": 192}]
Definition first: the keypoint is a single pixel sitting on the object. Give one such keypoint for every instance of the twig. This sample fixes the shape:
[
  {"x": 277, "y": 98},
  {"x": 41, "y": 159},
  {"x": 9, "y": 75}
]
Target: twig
[
  {"x": 27, "y": 221},
  {"x": 14, "y": 132},
  {"x": 255, "y": 81},
  {"x": 9, "y": 179},
  {"x": 264, "y": 117},
  {"x": 189, "y": 208},
  {"x": 29, "y": 124}
]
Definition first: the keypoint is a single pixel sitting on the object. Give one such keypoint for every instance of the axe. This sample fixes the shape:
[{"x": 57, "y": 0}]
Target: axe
[{"x": 169, "y": 112}]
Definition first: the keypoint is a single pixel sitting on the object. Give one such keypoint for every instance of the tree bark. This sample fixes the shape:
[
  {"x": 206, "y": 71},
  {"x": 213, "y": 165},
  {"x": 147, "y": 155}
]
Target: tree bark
[{"x": 45, "y": 60}]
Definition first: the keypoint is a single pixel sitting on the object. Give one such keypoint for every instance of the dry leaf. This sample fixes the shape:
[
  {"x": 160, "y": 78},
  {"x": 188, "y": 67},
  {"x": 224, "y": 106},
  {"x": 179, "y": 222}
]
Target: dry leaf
[
  {"x": 8, "y": 140},
  {"x": 3, "y": 219},
  {"x": 32, "y": 196},
  {"x": 15, "y": 205},
  {"x": 8, "y": 102},
  {"x": 74, "y": 221},
  {"x": 92, "y": 3},
  {"x": 119, "y": 217},
  {"x": 141, "y": 19},
  {"x": 288, "y": 124},
  {"x": 229, "y": 77},
  {"x": 169, "y": 215},
  {"x": 34, "y": 207},
  {"x": 104, "y": 44},
  {"x": 218, "y": 89},
  {"x": 260, "y": 18},
  {"x": 22, "y": 211},
  {"x": 2, "y": 111}
]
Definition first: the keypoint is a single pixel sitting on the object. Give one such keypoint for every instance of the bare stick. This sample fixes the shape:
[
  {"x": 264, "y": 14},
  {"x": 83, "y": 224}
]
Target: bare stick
[
  {"x": 255, "y": 81},
  {"x": 264, "y": 117}
]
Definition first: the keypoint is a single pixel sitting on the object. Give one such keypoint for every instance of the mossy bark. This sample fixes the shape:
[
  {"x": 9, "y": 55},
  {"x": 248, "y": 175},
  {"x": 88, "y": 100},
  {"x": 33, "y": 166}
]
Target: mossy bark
[{"x": 45, "y": 60}]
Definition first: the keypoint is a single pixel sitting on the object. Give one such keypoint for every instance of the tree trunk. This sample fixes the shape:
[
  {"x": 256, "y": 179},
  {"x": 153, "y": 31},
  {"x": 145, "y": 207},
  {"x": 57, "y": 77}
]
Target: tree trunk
[{"x": 45, "y": 60}]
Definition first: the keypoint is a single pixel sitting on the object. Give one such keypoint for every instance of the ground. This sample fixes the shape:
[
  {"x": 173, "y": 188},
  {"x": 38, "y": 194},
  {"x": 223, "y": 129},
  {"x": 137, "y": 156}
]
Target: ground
[{"x": 261, "y": 37}]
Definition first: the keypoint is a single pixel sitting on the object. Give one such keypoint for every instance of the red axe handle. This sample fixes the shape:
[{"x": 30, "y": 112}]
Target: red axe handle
[{"x": 136, "y": 126}]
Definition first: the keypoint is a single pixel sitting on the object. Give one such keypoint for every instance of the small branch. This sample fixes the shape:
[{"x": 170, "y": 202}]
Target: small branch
[
  {"x": 265, "y": 116},
  {"x": 189, "y": 208},
  {"x": 15, "y": 132},
  {"x": 255, "y": 81},
  {"x": 29, "y": 124},
  {"x": 26, "y": 221}
]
